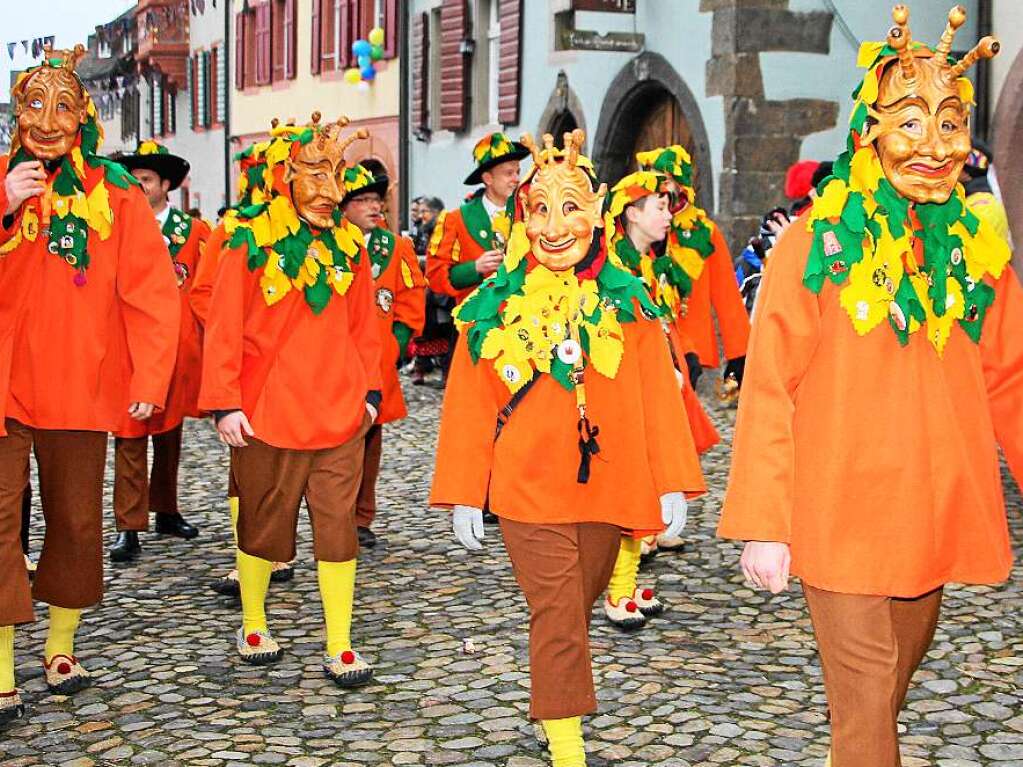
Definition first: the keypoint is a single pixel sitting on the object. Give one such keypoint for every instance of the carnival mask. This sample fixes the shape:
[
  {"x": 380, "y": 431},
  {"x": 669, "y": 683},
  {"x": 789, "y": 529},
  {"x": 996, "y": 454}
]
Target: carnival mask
[
  {"x": 561, "y": 207},
  {"x": 316, "y": 172},
  {"x": 50, "y": 106},
  {"x": 920, "y": 121}
]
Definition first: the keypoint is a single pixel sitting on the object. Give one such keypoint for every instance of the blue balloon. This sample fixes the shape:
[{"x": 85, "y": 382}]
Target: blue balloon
[
  {"x": 362, "y": 48},
  {"x": 365, "y": 61},
  {"x": 368, "y": 73}
]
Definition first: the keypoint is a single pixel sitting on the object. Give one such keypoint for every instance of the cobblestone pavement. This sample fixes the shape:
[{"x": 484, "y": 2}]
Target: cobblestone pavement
[{"x": 725, "y": 677}]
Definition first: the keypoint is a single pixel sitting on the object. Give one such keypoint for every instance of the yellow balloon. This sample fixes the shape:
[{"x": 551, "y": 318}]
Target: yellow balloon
[
  {"x": 376, "y": 36},
  {"x": 352, "y": 76}
]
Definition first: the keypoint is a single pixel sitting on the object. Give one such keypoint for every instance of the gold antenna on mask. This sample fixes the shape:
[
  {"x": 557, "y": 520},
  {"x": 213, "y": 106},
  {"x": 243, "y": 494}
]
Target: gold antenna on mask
[
  {"x": 956, "y": 18},
  {"x": 900, "y": 39},
  {"x": 347, "y": 141},
  {"x": 527, "y": 141},
  {"x": 987, "y": 48}
]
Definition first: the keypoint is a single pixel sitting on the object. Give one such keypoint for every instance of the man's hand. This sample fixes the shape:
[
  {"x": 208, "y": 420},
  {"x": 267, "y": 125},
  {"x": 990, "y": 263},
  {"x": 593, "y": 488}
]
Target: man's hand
[
  {"x": 232, "y": 429},
  {"x": 26, "y": 180},
  {"x": 140, "y": 411},
  {"x": 766, "y": 565},
  {"x": 488, "y": 262}
]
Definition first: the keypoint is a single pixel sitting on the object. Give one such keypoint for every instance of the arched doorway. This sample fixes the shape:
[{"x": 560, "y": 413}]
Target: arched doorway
[
  {"x": 563, "y": 113},
  {"x": 649, "y": 105},
  {"x": 564, "y": 122}
]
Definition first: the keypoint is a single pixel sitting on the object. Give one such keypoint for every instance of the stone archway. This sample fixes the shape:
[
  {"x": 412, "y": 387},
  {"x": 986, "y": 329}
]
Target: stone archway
[
  {"x": 564, "y": 111},
  {"x": 649, "y": 101},
  {"x": 1008, "y": 132}
]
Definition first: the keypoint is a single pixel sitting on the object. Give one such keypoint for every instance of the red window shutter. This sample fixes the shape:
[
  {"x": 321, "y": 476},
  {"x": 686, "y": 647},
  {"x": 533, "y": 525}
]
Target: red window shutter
[
  {"x": 277, "y": 40},
  {"x": 510, "y": 76},
  {"x": 391, "y": 22},
  {"x": 328, "y": 21},
  {"x": 211, "y": 87},
  {"x": 314, "y": 57},
  {"x": 290, "y": 38},
  {"x": 420, "y": 70},
  {"x": 263, "y": 70},
  {"x": 239, "y": 51},
  {"x": 346, "y": 24},
  {"x": 454, "y": 91}
]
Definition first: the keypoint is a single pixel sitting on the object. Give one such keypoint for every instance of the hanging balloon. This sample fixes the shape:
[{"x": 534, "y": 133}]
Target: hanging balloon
[
  {"x": 365, "y": 61},
  {"x": 377, "y": 52},
  {"x": 368, "y": 73},
  {"x": 376, "y": 36},
  {"x": 353, "y": 76},
  {"x": 363, "y": 85},
  {"x": 361, "y": 48}
]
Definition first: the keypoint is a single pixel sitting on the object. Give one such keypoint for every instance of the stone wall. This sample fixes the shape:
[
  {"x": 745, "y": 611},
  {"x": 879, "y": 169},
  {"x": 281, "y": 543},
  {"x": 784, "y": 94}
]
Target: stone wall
[{"x": 762, "y": 137}]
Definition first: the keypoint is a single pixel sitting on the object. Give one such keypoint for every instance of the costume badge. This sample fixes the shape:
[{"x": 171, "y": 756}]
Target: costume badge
[
  {"x": 832, "y": 247},
  {"x": 385, "y": 300}
]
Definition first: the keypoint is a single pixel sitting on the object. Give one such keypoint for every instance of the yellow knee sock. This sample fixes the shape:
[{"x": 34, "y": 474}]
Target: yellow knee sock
[
  {"x": 565, "y": 741},
  {"x": 232, "y": 502},
  {"x": 6, "y": 658},
  {"x": 337, "y": 590},
  {"x": 61, "y": 639},
  {"x": 623, "y": 577},
  {"x": 254, "y": 580}
]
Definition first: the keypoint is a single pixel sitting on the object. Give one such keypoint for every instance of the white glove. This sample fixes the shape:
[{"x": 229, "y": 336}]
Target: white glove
[
  {"x": 674, "y": 514},
  {"x": 467, "y": 522},
  {"x": 372, "y": 412}
]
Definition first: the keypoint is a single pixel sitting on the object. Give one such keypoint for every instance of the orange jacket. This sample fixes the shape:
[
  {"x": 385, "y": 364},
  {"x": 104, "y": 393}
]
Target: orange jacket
[
  {"x": 202, "y": 285},
  {"x": 878, "y": 464},
  {"x": 400, "y": 298},
  {"x": 705, "y": 436},
  {"x": 716, "y": 289},
  {"x": 76, "y": 357},
  {"x": 452, "y": 247},
  {"x": 302, "y": 379},
  {"x": 529, "y": 473},
  {"x": 183, "y": 395}
]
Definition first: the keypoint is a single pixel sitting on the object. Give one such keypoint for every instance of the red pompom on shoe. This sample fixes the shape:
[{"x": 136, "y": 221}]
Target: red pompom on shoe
[
  {"x": 63, "y": 667},
  {"x": 253, "y": 640},
  {"x": 631, "y": 607},
  {"x": 348, "y": 657},
  {"x": 648, "y": 594}
]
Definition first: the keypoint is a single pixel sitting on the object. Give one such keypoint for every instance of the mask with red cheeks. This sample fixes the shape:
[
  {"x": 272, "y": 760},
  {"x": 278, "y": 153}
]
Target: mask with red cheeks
[{"x": 562, "y": 209}]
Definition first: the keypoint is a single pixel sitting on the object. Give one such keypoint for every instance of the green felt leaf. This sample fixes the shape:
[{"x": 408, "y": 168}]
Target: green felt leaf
[
  {"x": 562, "y": 373},
  {"x": 319, "y": 294}
]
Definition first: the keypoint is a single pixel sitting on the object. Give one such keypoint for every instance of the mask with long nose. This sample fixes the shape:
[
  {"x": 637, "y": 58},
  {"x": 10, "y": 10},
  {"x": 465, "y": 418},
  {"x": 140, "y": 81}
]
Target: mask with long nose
[
  {"x": 919, "y": 123},
  {"x": 50, "y": 106},
  {"x": 562, "y": 209}
]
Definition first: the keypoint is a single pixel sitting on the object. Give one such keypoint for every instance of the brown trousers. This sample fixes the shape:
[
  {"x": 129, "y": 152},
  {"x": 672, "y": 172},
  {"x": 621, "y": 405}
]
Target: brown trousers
[
  {"x": 271, "y": 482},
  {"x": 869, "y": 647},
  {"x": 562, "y": 570},
  {"x": 136, "y": 490},
  {"x": 366, "y": 507},
  {"x": 70, "y": 571}
]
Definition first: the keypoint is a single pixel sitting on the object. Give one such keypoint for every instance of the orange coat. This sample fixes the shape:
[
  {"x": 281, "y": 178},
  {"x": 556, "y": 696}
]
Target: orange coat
[
  {"x": 450, "y": 247},
  {"x": 529, "y": 473},
  {"x": 202, "y": 285},
  {"x": 302, "y": 379},
  {"x": 716, "y": 289},
  {"x": 183, "y": 395},
  {"x": 400, "y": 298},
  {"x": 705, "y": 436},
  {"x": 76, "y": 357},
  {"x": 878, "y": 464}
]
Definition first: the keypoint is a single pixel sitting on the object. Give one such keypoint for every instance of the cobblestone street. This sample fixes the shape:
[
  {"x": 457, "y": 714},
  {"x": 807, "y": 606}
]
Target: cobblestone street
[{"x": 725, "y": 677}]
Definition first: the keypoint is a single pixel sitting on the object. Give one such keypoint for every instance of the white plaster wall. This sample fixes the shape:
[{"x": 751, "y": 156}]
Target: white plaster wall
[{"x": 1007, "y": 24}]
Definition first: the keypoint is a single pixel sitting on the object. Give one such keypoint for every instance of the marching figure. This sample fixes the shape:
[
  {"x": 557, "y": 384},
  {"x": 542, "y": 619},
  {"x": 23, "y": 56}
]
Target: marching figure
[
  {"x": 562, "y": 409},
  {"x": 291, "y": 370},
  {"x": 400, "y": 299},
  {"x": 90, "y": 329},
  {"x": 136, "y": 493},
  {"x": 886, "y": 367}
]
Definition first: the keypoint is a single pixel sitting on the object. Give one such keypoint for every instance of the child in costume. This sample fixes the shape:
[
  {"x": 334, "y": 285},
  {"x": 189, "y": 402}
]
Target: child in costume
[
  {"x": 885, "y": 369},
  {"x": 291, "y": 370},
  {"x": 638, "y": 217},
  {"x": 90, "y": 331},
  {"x": 399, "y": 295},
  {"x": 562, "y": 408}
]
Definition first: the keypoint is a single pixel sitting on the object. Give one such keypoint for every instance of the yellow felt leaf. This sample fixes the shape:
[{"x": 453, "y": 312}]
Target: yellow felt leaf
[
  {"x": 515, "y": 373},
  {"x": 606, "y": 346},
  {"x": 277, "y": 152},
  {"x": 101, "y": 217},
  {"x": 283, "y": 220},
  {"x": 78, "y": 162},
  {"x": 406, "y": 276},
  {"x": 868, "y": 53},
  {"x": 688, "y": 259},
  {"x": 870, "y": 89},
  {"x": 966, "y": 93},
  {"x": 518, "y": 247},
  {"x": 864, "y": 302},
  {"x": 261, "y": 230},
  {"x": 339, "y": 279},
  {"x": 274, "y": 283},
  {"x": 939, "y": 328},
  {"x": 987, "y": 253},
  {"x": 831, "y": 203},
  {"x": 865, "y": 171},
  {"x": 258, "y": 197}
]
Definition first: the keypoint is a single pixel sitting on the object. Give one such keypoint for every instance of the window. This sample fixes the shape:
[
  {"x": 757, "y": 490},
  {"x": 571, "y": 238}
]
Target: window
[
  {"x": 486, "y": 61},
  {"x": 220, "y": 83},
  {"x": 201, "y": 97},
  {"x": 171, "y": 111},
  {"x": 249, "y": 66},
  {"x": 103, "y": 49},
  {"x": 283, "y": 39},
  {"x": 212, "y": 96},
  {"x": 156, "y": 124}
]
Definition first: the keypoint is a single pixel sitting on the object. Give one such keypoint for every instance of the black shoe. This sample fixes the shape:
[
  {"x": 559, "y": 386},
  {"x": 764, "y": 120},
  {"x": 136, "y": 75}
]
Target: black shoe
[
  {"x": 489, "y": 517},
  {"x": 126, "y": 547},
  {"x": 367, "y": 538},
  {"x": 175, "y": 524}
]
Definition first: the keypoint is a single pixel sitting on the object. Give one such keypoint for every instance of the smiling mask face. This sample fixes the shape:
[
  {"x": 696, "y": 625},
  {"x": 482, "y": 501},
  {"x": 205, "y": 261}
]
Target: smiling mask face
[{"x": 50, "y": 107}]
